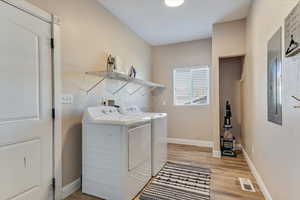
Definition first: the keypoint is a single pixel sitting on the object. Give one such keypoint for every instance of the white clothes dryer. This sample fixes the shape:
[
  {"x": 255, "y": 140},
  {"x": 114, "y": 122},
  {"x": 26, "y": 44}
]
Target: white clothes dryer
[{"x": 158, "y": 135}]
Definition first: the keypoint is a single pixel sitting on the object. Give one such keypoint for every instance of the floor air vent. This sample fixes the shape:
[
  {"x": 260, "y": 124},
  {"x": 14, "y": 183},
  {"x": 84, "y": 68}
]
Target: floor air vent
[{"x": 246, "y": 185}]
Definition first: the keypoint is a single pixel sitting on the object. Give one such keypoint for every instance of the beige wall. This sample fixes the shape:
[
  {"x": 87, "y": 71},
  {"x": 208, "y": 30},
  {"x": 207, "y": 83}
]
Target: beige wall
[
  {"x": 185, "y": 122},
  {"x": 228, "y": 40},
  {"x": 88, "y": 31},
  {"x": 273, "y": 149},
  {"x": 230, "y": 90}
]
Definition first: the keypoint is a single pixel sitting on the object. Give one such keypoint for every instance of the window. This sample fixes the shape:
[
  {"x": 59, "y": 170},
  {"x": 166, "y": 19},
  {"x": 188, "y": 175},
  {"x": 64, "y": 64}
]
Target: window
[{"x": 191, "y": 86}]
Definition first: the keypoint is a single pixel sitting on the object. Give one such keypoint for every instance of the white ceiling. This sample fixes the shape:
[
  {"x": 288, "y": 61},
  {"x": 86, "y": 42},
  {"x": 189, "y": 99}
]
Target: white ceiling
[{"x": 158, "y": 24}]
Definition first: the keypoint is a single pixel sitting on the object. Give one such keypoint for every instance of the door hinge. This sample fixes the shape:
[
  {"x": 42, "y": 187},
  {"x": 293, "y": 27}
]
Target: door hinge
[
  {"x": 53, "y": 113},
  {"x": 52, "y": 43},
  {"x": 53, "y": 183}
]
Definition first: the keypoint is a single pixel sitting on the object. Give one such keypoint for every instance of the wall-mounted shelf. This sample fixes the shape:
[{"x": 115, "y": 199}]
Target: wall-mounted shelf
[{"x": 125, "y": 78}]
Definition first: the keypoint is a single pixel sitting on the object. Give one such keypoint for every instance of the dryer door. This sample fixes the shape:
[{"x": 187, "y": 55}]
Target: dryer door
[
  {"x": 139, "y": 145},
  {"x": 159, "y": 144}
]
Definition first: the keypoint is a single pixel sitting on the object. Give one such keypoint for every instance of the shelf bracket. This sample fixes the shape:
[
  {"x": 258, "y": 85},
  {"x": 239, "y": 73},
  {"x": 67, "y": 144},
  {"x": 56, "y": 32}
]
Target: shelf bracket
[
  {"x": 123, "y": 86},
  {"x": 95, "y": 85},
  {"x": 135, "y": 91}
]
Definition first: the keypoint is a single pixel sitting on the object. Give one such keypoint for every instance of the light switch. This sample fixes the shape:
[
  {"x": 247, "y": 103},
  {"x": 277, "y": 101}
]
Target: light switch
[{"x": 67, "y": 99}]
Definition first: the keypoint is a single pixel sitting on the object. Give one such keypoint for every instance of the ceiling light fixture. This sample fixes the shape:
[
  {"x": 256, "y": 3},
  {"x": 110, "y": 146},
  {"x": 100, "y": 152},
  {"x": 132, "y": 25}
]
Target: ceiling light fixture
[{"x": 174, "y": 3}]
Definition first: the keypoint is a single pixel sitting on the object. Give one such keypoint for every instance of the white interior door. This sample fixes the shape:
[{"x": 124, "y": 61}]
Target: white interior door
[{"x": 25, "y": 106}]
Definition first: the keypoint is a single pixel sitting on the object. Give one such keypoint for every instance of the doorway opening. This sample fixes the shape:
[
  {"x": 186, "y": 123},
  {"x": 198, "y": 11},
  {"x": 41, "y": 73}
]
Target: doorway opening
[{"x": 230, "y": 84}]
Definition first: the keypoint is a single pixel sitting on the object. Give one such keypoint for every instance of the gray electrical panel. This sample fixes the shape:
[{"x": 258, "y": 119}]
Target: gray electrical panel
[{"x": 275, "y": 78}]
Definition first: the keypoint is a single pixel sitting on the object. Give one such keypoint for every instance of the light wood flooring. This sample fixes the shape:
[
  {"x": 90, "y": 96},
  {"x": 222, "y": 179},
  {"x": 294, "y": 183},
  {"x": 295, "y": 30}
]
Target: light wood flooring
[{"x": 224, "y": 186}]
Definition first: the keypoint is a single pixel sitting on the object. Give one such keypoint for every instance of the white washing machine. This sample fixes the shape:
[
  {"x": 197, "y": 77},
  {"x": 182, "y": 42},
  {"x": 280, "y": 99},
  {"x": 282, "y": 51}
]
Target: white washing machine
[
  {"x": 116, "y": 152},
  {"x": 158, "y": 137}
]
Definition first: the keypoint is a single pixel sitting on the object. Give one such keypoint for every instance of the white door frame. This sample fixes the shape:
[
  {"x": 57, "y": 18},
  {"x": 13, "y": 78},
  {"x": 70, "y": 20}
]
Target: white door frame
[
  {"x": 56, "y": 86},
  {"x": 56, "y": 95}
]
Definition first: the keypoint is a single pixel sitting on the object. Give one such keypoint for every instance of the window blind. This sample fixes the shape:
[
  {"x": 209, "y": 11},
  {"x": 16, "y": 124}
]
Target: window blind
[{"x": 191, "y": 86}]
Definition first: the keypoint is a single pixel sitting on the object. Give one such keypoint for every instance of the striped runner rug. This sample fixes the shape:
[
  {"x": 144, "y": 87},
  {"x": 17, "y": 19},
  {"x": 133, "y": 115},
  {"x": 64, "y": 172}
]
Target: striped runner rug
[{"x": 179, "y": 182}]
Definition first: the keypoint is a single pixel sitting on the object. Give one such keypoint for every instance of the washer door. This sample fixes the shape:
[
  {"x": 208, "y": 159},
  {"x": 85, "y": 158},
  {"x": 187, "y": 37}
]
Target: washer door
[{"x": 139, "y": 145}]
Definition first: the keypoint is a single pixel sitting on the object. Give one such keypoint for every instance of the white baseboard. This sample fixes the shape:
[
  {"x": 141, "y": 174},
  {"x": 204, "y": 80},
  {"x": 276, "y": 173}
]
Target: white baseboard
[
  {"x": 217, "y": 154},
  {"x": 199, "y": 143},
  {"x": 71, "y": 188},
  {"x": 239, "y": 147},
  {"x": 257, "y": 176}
]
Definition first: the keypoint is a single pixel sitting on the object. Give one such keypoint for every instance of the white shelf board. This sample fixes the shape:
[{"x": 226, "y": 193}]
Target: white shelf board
[{"x": 124, "y": 77}]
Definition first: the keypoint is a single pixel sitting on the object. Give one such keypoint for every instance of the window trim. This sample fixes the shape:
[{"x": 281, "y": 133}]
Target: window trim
[{"x": 192, "y": 67}]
